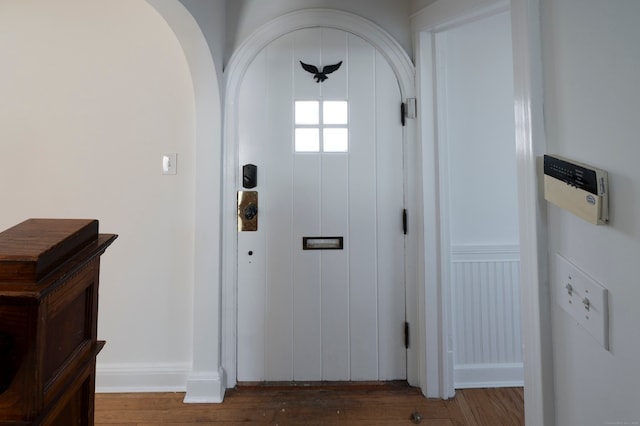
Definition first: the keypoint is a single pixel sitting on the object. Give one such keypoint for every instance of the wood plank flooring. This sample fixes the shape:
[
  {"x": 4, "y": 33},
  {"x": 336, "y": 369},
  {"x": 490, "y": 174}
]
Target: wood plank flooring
[{"x": 388, "y": 404}]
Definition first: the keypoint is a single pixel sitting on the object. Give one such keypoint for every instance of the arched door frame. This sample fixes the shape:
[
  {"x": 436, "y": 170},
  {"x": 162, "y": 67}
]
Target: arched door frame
[{"x": 405, "y": 73}]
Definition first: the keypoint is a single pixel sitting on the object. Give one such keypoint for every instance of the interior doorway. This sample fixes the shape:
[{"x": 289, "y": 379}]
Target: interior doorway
[{"x": 478, "y": 181}]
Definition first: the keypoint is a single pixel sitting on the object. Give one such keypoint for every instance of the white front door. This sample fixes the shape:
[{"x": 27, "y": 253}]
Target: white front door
[{"x": 329, "y": 158}]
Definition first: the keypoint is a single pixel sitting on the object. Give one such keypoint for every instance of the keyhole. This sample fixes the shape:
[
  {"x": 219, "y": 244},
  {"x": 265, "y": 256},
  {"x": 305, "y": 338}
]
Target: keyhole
[{"x": 250, "y": 211}]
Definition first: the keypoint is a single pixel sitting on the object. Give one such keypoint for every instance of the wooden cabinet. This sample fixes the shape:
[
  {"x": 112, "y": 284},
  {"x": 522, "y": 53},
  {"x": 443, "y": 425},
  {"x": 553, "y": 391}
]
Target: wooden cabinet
[{"x": 49, "y": 270}]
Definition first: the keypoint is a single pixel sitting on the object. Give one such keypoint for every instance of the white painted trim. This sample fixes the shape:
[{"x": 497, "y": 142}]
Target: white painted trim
[
  {"x": 444, "y": 242},
  {"x": 206, "y": 292},
  {"x": 200, "y": 387},
  {"x": 206, "y": 387},
  {"x": 116, "y": 378},
  {"x": 430, "y": 322},
  {"x": 443, "y": 15},
  {"x": 405, "y": 72},
  {"x": 329, "y": 18},
  {"x": 430, "y": 325},
  {"x": 534, "y": 277},
  {"x": 475, "y": 253},
  {"x": 488, "y": 375}
]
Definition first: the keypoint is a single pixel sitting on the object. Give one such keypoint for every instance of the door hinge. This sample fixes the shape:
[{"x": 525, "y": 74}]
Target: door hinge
[
  {"x": 408, "y": 109},
  {"x": 406, "y": 335},
  {"x": 404, "y": 221},
  {"x": 411, "y": 108}
]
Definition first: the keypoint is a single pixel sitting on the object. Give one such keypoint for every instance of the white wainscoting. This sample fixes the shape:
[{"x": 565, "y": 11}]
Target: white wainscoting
[
  {"x": 159, "y": 377},
  {"x": 485, "y": 295}
]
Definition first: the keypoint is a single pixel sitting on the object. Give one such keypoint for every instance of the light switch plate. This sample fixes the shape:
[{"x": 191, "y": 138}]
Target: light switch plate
[
  {"x": 584, "y": 299},
  {"x": 169, "y": 164}
]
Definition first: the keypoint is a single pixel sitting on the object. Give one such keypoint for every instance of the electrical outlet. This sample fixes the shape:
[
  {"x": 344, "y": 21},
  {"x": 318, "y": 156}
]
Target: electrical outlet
[{"x": 584, "y": 299}]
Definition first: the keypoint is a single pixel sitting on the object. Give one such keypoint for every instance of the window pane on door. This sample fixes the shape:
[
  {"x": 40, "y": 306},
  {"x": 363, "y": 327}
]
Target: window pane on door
[
  {"x": 335, "y": 140},
  {"x": 307, "y": 112},
  {"x": 307, "y": 140},
  {"x": 335, "y": 112}
]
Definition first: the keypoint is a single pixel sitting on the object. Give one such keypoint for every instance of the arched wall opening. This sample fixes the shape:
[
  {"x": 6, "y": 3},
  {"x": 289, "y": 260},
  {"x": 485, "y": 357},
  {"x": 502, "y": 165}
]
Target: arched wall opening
[{"x": 206, "y": 382}]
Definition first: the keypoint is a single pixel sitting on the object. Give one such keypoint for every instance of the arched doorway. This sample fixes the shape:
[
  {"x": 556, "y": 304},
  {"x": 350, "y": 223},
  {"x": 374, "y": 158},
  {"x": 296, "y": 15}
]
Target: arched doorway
[{"x": 402, "y": 67}]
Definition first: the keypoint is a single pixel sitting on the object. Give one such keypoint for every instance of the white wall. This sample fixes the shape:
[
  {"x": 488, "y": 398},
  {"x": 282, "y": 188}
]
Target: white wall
[
  {"x": 417, "y": 5},
  {"x": 92, "y": 94},
  {"x": 245, "y": 16},
  {"x": 211, "y": 18},
  {"x": 591, "y": 58},
  {"x": 477, "y": 70}
]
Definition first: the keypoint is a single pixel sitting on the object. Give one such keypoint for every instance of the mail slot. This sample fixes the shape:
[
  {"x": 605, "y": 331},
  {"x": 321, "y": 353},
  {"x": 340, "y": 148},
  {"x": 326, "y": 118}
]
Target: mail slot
[{"x": 322, "y": 243}]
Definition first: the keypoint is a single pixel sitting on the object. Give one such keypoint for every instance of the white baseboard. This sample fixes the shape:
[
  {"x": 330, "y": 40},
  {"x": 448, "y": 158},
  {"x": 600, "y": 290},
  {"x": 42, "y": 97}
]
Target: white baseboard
[
  {"x": 488, "y": 375},
  {"x": 206, "y": 387},
  {"x": 138, "y": 377}
]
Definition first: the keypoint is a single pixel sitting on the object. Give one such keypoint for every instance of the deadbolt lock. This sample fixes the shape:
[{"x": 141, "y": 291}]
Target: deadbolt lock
[{"x": 247, "y": 211}]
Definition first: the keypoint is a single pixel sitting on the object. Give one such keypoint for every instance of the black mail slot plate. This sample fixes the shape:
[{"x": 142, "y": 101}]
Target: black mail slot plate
[{"x": 322, "y": 243}]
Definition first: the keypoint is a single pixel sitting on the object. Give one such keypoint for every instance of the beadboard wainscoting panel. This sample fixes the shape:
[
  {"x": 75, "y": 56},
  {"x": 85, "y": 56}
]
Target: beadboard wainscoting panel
[{"x": 485, "y": 295}]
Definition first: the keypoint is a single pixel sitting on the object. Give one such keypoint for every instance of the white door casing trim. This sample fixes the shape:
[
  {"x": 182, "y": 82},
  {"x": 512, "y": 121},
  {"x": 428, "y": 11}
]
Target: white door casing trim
[
  {"x": 530, "y": 144},
  {"x": 404, "y": 70},
  {"x": 539, "y": 390},
  {"x": 427, "y": 24}
]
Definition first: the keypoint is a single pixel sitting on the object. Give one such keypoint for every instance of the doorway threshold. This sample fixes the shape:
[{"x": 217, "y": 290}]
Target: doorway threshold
[{"x": 326, "y": 385}]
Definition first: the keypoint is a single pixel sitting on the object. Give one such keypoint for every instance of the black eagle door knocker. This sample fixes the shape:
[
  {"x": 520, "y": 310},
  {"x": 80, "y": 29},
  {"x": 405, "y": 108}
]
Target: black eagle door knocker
[{"x": 320, "y": 76}]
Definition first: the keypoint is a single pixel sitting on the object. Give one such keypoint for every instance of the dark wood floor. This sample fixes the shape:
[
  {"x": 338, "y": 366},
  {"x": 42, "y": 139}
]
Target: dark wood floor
[{"x": 389, "y": 404}]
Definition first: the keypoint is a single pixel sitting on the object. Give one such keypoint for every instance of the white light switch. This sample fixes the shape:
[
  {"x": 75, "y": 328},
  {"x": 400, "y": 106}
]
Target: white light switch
[
  {"x": 584, "y": 299},
  {"x": 169, "y": 164}
]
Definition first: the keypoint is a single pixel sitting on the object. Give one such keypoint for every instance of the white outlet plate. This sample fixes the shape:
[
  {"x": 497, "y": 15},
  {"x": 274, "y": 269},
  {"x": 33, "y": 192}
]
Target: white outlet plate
[{"x": 573, "y": 289}]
